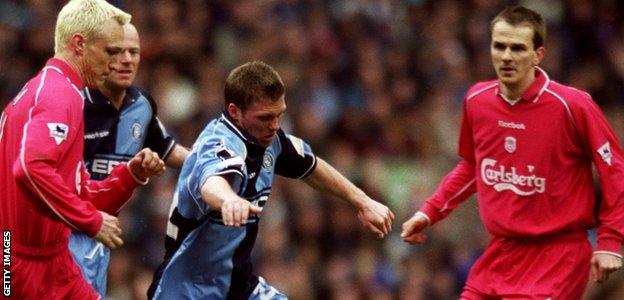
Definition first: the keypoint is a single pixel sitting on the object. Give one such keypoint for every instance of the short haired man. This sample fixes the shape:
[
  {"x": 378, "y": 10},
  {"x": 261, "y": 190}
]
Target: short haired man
[
  {"x": 527, "y": 145},
  {"x": 45, "y": 191},
  {"x": 120, "y": 120},
  {"x": 225, "y": 182}
]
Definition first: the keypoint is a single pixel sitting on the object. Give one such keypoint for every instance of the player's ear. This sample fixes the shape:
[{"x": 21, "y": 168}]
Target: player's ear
[
  {"x": 539, "y": 55},
  {"x": 77, "y": 43},
  {"x": 234, "y": 111}
]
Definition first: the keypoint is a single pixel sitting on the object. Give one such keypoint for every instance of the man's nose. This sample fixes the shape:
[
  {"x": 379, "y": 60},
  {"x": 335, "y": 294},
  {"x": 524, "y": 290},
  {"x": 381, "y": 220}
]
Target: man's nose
[
  {"x": 125, "y": 57},
  {"x": 275, "y": 124},
  {"x": 506, "y": 54}
]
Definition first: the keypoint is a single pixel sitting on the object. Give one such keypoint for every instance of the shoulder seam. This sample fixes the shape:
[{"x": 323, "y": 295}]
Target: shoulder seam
[
  {"x": 565, "y": 104},
  {"x": 481, "y": 91}
]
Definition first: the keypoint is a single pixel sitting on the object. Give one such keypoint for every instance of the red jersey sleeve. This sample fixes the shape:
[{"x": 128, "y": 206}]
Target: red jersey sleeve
[
  {"x": 606, "y": 154},
  {"x": 45, "y": 148},
  {"x": 111, "y": 194},
  {"x": 459, "y": 184}
]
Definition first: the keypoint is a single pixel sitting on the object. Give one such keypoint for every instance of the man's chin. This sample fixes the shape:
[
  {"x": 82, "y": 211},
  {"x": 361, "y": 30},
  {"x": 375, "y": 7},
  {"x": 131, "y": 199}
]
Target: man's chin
[
  {"x": 95, "y": 83},
  {"x": 508, "y": 80},
  {"x": 117, "y": 84},
  {"x": 266, "y": 142}
]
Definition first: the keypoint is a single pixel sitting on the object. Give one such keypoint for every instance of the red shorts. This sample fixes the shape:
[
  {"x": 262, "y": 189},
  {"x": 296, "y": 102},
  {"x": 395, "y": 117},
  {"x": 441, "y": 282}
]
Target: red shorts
[
  {"x": 48, "y": 277},
  {"x": 556, "y": 267}
]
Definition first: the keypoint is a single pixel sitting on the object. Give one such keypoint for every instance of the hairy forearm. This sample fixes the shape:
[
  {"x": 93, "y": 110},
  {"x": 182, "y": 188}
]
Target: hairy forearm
[
  {"x": 215, "y": 191},
  {"x": 327, "y": 179},
  {"x": 177, "y": 156}
]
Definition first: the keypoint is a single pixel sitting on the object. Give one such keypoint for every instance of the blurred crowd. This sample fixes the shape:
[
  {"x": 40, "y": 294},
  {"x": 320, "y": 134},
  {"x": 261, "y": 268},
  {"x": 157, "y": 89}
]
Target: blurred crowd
[{"x": 375, "y": 86}]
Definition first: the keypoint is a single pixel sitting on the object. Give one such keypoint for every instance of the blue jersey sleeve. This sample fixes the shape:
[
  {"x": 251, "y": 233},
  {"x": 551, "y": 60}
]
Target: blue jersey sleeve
[
  {"x": 296, "y": 159},
  {"x": 216, "y": 156}
]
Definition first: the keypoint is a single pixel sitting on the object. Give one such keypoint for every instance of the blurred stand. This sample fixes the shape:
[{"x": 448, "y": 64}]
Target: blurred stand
[{"x": 375, "y": 86}]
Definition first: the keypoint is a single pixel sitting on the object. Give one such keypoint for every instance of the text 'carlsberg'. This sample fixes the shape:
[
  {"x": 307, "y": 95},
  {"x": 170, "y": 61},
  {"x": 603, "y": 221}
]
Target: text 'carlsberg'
[{"x": 501, "y": 179}]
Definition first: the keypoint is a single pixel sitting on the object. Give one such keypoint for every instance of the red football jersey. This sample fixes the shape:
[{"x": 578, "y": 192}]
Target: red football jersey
[
  {"x": 44, "y": 188},
  {"x": 531, "y": 164}
]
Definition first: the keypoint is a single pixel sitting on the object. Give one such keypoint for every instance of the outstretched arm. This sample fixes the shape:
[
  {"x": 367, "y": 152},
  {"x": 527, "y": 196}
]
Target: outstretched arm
[
  {"x": 111, "y": 194},
  {"x": 219, "y": 195},
  {"x": 177, "y": 156},
  {"x": 412, "y": 229},
  {"x": 373, "y": 215},
  {"x": 454, "y": 189}
]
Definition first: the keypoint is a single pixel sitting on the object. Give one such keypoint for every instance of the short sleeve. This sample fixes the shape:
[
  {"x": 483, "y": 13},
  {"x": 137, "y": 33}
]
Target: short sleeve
[{"x": 296, "y": 159}]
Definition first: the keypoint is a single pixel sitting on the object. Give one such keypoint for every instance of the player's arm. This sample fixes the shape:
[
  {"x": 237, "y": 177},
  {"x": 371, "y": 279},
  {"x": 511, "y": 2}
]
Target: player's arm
[
  {"x": 159, "y": 140},
  {"x": 217, "y": 192},
  {"x": 111, "y": 194},
  {"x": 372, "y": 214},
  {"x": 608, "y": 158},
  {"x": 454, "y": 189},
  {"x": 47, "y": 137},
  {"x": 177, "y": 156}
]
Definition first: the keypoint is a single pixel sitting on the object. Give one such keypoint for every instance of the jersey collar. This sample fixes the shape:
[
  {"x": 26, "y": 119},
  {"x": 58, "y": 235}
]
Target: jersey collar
[
  {"x": 95, "y": 96},
  {"x": 66, "y": 70},
  {"x": 535, "y": 89},
  {"x": 229, "y": 122}
]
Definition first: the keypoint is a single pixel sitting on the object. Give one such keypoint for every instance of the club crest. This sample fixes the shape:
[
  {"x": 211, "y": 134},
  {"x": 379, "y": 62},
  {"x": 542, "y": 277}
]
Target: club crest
[
  {"x": 510, "y": 144},
  {"x": 267, "y": 161},
  {"x": 136, "y": 131}
]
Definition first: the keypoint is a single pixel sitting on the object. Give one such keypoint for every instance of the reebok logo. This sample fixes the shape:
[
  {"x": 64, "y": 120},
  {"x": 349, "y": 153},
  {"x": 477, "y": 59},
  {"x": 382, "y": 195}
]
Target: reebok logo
[{"x": 511, "y": 125}]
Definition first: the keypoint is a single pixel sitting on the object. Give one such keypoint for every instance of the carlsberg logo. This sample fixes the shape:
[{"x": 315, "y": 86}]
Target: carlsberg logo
[{"x": 502, "y": 179}]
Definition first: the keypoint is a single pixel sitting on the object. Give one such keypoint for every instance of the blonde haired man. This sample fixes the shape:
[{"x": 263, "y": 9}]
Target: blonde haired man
[
  {"x": 124, "y": 112},
  {"x": 45, "y": 191}
]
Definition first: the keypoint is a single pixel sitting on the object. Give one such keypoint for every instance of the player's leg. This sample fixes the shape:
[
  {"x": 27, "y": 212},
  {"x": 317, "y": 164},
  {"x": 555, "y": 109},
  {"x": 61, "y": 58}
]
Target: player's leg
[
  {"x": 570, "y": 278},
  {"x": 486, "y": 272},
  {"x": 68, "y": 282},
  {"x": 553, "y": 267},
  {"x": 49, "y": 277},
  {"x": 264, "y": 291},
  {"x": 28, "y": 278}
]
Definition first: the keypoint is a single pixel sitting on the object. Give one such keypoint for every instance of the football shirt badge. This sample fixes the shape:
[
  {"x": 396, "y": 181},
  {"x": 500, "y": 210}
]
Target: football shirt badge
[
  {"x": 136, "y": 131},
  {"x": 605, "y": 152},
  {"x": 267, "y": 161},
  {"x": 58, "y": 131},
  {"x": 510, "y": 144}
]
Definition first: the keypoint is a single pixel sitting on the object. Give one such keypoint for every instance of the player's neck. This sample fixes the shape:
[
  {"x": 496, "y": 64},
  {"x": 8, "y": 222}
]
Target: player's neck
[
  {"x": 72, "y": 62},
  {"x": 515, "y": 91},
  {"x": 115, "y": 96}
]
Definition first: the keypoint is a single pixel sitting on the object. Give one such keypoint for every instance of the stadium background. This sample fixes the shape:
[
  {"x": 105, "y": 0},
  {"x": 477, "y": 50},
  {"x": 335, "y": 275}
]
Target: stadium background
[{"x": 375, "y": 86}]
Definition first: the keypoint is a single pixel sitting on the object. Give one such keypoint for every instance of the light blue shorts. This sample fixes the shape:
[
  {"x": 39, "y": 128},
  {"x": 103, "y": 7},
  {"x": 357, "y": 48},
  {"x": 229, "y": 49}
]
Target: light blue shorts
[
  {"x": 264, "y": 291},
  {"x": 92, "y": 257}
]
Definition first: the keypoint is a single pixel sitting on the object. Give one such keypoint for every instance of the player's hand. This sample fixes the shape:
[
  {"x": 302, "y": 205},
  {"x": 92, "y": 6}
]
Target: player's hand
[
  {"x": 412, "y": 229},
  {"x": 146, "y": 164},
  {"x": 110, "y": 232},
  {"x": 236, "y": 212},
  {"x": 376, "y": 217},
  {"x": 603, "y": 264}
]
